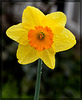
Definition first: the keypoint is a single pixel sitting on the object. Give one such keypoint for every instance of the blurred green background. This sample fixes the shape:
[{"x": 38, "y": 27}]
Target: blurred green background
[{"x": 18, "y": 81}]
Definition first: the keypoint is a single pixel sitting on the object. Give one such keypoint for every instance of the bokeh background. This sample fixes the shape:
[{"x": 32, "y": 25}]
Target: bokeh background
[{"x": 18, "y": 81}]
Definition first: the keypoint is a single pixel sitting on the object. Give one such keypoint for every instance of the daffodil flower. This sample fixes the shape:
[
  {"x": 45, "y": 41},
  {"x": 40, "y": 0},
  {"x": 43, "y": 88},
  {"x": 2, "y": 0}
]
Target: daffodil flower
[{"x": 41, "y": 36}]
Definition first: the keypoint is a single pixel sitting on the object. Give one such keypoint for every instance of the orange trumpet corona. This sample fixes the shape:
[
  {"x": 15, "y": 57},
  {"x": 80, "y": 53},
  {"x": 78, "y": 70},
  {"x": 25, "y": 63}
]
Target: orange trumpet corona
[{"x": 40, "y": 38}]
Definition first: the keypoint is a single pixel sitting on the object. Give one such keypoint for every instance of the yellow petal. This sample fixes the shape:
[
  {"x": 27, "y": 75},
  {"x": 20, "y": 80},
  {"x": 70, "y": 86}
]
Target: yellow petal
[
  {"x": 48, "y": 57},
  {"x": 56, "y": 19},
  {"x": 26, "y": 54},
  {"x": 32, "y": 17},
  {"x": 17, "y": 33},
  {"x": 63, "y": 39}
]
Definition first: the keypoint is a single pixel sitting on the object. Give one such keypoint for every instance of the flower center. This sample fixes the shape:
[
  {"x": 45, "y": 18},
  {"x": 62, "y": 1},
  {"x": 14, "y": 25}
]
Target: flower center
[
  {"x": 40, "y": 38},
  {"x": 42, "y": 35}
]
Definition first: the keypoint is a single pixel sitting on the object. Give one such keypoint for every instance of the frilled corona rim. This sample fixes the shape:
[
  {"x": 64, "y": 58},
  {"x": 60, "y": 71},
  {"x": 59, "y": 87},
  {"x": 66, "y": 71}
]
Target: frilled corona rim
[{"x": 40, "y": 38}]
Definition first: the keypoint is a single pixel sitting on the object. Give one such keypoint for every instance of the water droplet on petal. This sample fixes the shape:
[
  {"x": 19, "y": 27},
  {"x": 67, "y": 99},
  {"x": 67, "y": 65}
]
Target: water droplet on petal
[{"x": 66, "y": 35}]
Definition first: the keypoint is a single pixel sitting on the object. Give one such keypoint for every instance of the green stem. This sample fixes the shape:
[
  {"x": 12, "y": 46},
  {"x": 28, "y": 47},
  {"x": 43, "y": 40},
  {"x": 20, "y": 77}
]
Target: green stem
[{"x": 37, "y": 89}]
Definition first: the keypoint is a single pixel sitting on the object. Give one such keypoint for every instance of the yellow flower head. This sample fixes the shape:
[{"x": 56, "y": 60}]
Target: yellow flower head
[{"x": 41, "y": 36}]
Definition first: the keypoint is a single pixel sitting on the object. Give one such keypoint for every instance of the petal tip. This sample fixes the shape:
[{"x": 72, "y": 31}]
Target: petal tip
[{"x": 29, "y": 7}]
